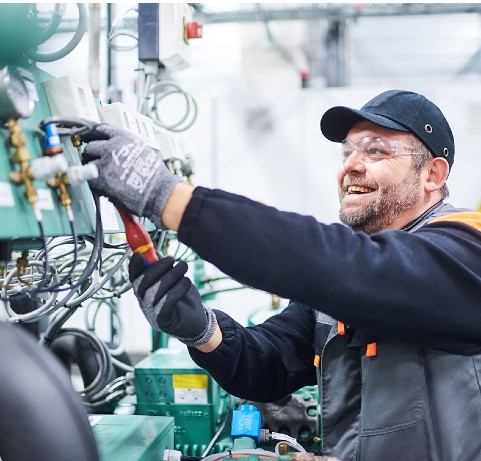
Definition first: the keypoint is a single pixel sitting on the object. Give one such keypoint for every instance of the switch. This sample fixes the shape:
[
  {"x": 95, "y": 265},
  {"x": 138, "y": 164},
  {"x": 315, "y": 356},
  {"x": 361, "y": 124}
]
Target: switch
[{"x": 193, "y": 30}]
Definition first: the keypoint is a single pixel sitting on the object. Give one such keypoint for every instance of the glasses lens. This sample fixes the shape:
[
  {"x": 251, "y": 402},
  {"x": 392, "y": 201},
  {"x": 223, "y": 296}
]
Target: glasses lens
[
  {"x": 347, "y": 147},
  {"x": 377, "y": 149},
  {"x": 370, "y": 149}
]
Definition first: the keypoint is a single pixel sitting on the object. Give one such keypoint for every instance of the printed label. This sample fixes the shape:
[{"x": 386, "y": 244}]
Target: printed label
[
  {"x": 190, "y": 396},
  {"x": 6, "y": 195},
  {"x": 45, "y": 200},
  {"x": 190, "y": 381},
  {"x": 108, "y": 215},
  {"x": 94, "y": 420}
]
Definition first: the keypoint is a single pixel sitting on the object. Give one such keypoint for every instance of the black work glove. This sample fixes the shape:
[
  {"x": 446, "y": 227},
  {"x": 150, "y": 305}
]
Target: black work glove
[
  {"x": 131, "y": 174},
  {"x": 170, "y": 301}
]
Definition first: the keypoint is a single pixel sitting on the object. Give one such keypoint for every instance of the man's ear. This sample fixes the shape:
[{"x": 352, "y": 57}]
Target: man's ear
[{"x": 437, "y": 171}]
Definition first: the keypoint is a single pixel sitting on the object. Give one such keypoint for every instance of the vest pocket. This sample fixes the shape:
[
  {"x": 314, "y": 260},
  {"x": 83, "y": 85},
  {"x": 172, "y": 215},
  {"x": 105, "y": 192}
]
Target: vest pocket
[{"x": 392, "y": 390}]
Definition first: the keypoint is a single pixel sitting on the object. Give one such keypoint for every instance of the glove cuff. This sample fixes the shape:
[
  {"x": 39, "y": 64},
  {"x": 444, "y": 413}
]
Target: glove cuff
[
  {"x": 155, "y": 206},
  {"x": 206, "y": 334}
]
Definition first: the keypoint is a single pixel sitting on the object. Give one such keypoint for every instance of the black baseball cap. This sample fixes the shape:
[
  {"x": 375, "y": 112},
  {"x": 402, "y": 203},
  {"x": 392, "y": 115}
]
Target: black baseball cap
[{"x": 399, "y": 110}]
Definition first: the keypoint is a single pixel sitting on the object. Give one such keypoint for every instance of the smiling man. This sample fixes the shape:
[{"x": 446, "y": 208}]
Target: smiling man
[{"x": 386, "y": 310}]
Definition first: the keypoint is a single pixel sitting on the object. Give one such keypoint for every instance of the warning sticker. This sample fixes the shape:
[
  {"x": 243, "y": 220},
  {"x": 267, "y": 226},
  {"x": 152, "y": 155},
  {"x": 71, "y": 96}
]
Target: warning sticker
[{"x": 190, "y": 381}]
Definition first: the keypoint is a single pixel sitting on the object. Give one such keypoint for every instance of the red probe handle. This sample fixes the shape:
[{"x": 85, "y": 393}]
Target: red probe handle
[{"x": 138, "y": 238}]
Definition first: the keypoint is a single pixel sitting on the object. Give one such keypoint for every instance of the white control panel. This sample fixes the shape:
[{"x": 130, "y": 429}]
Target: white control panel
[
  {"x": 174, "y": 48},
  {"x": 121, "y": 116},
  {"x": 71, "y": 97}
]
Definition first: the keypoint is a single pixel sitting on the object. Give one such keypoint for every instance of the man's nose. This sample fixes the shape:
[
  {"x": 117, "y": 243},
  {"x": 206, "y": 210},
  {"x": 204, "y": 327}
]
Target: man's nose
[{"x": 354, "y": 162}]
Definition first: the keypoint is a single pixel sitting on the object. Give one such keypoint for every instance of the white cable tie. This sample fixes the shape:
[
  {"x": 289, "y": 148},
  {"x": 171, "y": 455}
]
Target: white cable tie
[{"x": 283, "y": 437}]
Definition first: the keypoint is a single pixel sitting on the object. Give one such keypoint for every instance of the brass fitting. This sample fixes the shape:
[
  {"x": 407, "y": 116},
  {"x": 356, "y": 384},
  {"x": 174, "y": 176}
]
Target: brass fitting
[
  {"x": 283, "y": 448},
  {"x": 22, "y": 157},
  {"x": 60, "y": 182},
  {"x": 77, "y": 141},
  {"x": 22, "y": 264}
]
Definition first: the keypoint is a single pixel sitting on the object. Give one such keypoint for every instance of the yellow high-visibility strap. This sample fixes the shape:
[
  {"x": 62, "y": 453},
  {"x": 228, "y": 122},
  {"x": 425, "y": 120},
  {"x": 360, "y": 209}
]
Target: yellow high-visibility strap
[{"x": 470, "y": 218}]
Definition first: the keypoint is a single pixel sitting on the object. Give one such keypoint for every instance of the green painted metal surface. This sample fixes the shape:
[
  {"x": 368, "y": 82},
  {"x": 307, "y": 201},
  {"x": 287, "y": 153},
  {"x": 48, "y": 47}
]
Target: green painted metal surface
[
  {"x": 132, "y": 438},
  {"x": 18, "y": 220},
  {"x": 19, "y": 31}
]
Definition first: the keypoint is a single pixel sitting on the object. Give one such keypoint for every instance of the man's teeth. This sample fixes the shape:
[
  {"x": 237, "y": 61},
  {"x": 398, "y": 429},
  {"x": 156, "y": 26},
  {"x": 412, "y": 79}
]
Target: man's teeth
[{"x": 358, "y": 189}]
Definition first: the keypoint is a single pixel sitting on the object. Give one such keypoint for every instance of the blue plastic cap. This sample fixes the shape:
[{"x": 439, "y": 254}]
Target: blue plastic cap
[{"x": 246, "y": 422}]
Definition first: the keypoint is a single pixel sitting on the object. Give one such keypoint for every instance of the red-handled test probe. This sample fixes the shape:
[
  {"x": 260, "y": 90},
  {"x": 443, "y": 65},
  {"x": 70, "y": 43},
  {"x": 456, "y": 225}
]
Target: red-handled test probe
[{"x": 138, "y": 238}]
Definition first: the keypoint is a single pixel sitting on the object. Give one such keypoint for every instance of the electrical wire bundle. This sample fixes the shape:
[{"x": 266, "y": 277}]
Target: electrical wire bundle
[{"x": 154, "y": 93}]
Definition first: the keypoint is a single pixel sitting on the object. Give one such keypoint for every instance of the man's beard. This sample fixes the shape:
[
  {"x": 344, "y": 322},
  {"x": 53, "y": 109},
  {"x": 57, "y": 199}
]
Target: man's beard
[{"x": 392, "y": 200}]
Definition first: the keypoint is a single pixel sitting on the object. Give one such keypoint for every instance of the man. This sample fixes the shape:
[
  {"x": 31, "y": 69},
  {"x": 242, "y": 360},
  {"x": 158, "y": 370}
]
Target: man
[{"x": 386, "y": 319}]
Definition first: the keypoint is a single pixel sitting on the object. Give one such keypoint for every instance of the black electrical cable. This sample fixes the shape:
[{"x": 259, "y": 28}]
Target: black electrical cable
[
  {"x": 61, "y": 283},
  {"x": 109, "y": 246},
  {"x": 69, "y": 126},
  {"x": 94, "y": 390},
  {"x": 42, "y": 282},
  {"x": 95, "y": 256}
]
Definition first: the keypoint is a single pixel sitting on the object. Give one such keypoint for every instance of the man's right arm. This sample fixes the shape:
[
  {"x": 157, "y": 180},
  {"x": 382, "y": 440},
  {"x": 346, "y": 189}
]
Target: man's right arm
[{"x": 265, "y": 362}]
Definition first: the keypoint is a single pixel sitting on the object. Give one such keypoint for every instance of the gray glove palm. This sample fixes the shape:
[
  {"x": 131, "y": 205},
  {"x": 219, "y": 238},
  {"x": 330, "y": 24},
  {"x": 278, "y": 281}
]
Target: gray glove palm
[
  {"x": 131, "y": 174},
  {"x": 170, "y": 301}
]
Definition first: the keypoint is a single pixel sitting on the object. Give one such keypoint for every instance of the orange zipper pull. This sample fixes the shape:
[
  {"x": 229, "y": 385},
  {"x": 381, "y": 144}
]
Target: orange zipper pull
[
  {"x": 341, "y": 328},
  {"x": 317, "y": 360},
  {"x": 371, "y": 350}
]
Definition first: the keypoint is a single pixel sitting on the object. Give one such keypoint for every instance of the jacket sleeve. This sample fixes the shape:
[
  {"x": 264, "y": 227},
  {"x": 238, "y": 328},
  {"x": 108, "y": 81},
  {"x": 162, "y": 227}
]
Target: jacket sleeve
[
  {"x": 421, "y": 287},
  {"x": 280, "y": 350}
]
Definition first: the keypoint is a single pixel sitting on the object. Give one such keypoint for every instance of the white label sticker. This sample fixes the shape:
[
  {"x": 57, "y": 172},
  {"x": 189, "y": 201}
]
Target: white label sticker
[
  {"x": 94, "y": 420},
  {"x": 45, "y": 200},
  {"x": 185, "y": 395},
  {"x": 6, "y": 195},
  {"x": 108, "y": 215}
]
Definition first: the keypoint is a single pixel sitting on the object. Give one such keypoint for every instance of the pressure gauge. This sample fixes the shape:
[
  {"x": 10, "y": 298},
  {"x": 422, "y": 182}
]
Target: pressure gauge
[{"x": 15, "y": 98}]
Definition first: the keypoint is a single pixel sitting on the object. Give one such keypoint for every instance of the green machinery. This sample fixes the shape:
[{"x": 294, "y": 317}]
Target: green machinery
[
  {"x": 169, "y": 383},
  {"x": 18, "y": 219},
  {"x": 132, "y": 438}
]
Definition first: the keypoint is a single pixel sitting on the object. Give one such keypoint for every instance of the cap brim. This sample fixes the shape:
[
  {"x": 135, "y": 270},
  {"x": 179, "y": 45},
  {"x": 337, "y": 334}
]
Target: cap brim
[{"x": 337, "y": 122}]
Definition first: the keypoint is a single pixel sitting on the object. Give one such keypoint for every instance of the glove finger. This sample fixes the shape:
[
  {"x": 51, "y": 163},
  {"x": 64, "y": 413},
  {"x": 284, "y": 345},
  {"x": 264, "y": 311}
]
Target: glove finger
[
  {"x": 94, "y": 150},
  {"x": 136, "y": 266},
  {"x": 155, "y": 274},
  {"x": 169, "y": 313},
  {"x": 184, "y": 317},
  {"x": 169, "y": 282}
]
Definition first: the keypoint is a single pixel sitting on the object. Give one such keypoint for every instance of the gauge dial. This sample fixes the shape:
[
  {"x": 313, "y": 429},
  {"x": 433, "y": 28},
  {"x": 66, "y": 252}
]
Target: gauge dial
[{"x": 15, "y": 100}]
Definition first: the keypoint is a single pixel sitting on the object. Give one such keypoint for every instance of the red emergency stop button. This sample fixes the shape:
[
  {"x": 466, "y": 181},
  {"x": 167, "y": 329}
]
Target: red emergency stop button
[{"x": 193, "y": 30}]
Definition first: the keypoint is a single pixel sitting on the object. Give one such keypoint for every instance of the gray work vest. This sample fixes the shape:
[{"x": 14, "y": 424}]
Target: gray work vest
[{"x": 407, "y": 403}]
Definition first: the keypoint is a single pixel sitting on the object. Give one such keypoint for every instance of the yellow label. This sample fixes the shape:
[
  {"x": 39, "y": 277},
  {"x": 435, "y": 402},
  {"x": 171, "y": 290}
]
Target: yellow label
[{"x": 190, "y": 381}]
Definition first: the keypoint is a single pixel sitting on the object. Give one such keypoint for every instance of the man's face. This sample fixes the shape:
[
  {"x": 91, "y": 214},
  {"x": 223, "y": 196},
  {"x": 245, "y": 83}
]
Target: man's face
[{"x": 383, "y": 194}]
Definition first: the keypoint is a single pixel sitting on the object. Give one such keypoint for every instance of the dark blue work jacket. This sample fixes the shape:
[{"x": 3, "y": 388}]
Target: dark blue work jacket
[{"x": 415, "y": 295}]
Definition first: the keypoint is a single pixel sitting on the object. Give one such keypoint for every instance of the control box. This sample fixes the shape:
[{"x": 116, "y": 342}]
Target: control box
[
  {"x": 71, "y": 97},
  {"x": 169, "y": 383},
  {"x": 121, "y": 116},
  {"x": 165, "y": 30}
]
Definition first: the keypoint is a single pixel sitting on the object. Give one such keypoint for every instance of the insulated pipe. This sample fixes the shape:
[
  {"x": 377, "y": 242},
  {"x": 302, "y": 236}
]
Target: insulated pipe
[{"x": 41, "y": 416}]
